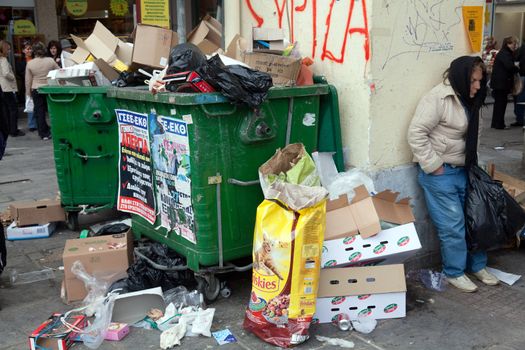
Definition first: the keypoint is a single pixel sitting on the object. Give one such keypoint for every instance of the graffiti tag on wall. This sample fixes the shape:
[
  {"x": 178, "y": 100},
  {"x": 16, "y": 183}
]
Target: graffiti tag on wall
[{"x": 334, "y": 39}]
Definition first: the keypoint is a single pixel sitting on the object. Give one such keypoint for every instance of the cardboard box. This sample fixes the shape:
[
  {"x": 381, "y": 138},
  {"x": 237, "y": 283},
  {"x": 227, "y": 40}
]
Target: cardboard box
[
  {"x": 376, "y": 292},
  {"x": 237, "y": 48},
  {"x": 116, "y": 331},
  {"x": 15, "y": 233},
  {"x": 284, "y": 70},
  {"x": 364, "y": 213},
  {"x": 36, "y": 212},
  {"x": 56, "y": 338},
  {"x": 389, "y": 246},
  {"x": 152, "y": 45},
  {"x": 105, "y": 257},
  {"x": 102, "y": 44},
  {"x": 207, "y": 36},
  {"x": 267, "y": 39}
]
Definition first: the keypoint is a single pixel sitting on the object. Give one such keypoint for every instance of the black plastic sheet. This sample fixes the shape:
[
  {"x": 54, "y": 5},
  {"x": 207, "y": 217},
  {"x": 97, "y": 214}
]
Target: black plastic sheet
[
  {"x": 241, "y": 85},
  {"x": 185, "y": 57}
]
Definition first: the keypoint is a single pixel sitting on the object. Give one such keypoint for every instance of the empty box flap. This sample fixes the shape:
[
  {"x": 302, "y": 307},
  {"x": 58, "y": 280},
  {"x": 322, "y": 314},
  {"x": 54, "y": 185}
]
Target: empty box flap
[
  {"x": 365, "y": 216},
  {"x": 102, "y": 43},
  {"x": 387, "y": 195},
  {"x": 81, "y": 53},
  {"x": 340, "y": 202},
  {"x": 339, "y": 224},
  {"x": 360, "y": 193},
  {"x": 124, "y": 52},
  {"x": 361, "y": 280},
  {"x": 390, "y": 211}
]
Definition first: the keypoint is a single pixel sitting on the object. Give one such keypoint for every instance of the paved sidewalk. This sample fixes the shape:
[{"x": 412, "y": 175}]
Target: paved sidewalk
[{"x": 491, "y": 319}]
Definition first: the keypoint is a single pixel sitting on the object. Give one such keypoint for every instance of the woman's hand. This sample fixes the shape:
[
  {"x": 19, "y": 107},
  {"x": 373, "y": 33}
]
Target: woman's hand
[{"x": 439, "y": 171}]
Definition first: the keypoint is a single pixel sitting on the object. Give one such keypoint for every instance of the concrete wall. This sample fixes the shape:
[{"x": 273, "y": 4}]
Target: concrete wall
[{"x": 46, "y": 19}]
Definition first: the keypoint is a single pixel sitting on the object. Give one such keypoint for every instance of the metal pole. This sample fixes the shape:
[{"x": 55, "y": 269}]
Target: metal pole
[{"x": 181, "y": 20}]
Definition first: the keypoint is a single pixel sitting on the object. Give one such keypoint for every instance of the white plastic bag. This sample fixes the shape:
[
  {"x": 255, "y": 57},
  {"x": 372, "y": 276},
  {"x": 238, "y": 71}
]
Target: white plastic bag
[
  {"x": 344, "y": 183},
  {"x": 30, "y": 106}
]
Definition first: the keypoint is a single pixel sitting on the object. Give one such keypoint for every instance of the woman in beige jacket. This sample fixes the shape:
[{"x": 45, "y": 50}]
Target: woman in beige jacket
[
  {"x": 9, "y": 90},
  {"x": 36, "y": 76},
  {"x": 437, "y": 136}
]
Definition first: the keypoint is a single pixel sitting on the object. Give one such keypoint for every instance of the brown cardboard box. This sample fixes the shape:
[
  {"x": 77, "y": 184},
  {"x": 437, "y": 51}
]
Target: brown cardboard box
[
  {"x": 274, "y": 37},
  {"x": 375, "y": 292},
  {"x": 207, "y": 36},
  {"x": 36, "y": 212},
  {"x": 152, "y": 45},
  {"x": 106, "y": 257},
  {"x": 104, "y": 45},
  {"x": 237, "y": 48},
  {"x": 284, "y": 70},
  {"x": 363, "y": 215}
]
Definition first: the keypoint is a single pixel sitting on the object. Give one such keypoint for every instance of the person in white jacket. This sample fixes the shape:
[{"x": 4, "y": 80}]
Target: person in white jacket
[
  {"x": 9, "y": 89},
  {"x": 437, "y": 137}
]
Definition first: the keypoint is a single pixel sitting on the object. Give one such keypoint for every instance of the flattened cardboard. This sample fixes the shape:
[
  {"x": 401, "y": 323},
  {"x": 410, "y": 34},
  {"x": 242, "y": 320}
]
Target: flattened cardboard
[
  {"x": 207, "y": 36},
  {"x": 284, "y": 70},
  {"x": 152, "y": 45},
  {"x": 36, "y": 212},
  {"x": 389, "y": 246},
  {"x": 107, "y": 257},
  {"x": 362, "y": 280}
]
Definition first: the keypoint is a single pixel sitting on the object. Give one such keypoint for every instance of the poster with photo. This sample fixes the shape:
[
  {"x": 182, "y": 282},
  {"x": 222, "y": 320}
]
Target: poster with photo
[
  {"x": 135, "y": 174},
  {"x": 171, "y": 161}
]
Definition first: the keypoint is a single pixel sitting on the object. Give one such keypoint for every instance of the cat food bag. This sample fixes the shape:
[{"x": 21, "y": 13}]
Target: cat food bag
[{"x": 287, "y": 246}]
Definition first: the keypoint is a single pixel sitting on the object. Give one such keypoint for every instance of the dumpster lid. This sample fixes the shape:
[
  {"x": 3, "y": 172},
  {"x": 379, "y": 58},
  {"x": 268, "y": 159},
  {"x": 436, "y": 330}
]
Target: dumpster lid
[{"x": 48, "y": 89}]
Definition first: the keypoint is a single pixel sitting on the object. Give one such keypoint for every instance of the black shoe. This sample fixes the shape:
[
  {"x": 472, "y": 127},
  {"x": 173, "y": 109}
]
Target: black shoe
[
  {"x": 32, "y": 129},
  {"x": 516, "y": 124},
  {"x": 18, "y": 133}
]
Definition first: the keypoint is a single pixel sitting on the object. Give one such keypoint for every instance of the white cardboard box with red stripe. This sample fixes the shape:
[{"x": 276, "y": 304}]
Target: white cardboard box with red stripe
[{"x": 376, "y": 292}]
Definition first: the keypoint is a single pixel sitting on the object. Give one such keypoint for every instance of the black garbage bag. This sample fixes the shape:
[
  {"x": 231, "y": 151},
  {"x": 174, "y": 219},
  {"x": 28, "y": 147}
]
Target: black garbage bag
[
  {"x": 185, "y": 57},
  {"x": 493, "y": 218},
  {"x": 143, "y": 275},
  {"x": 111, "y": 229},
  {"x": 241, "y": 85}
]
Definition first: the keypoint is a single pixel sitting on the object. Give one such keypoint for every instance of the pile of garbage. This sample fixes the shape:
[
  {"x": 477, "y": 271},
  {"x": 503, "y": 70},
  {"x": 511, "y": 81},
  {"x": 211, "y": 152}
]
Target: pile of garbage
[{"x": 243, "y": 72}]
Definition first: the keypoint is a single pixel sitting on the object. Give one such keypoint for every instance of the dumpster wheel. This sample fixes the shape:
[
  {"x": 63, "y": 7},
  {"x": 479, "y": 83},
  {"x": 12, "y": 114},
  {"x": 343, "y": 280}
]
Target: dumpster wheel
[
  {"x": 72, "y": 220},
  {"x": 209, "y": 286}
]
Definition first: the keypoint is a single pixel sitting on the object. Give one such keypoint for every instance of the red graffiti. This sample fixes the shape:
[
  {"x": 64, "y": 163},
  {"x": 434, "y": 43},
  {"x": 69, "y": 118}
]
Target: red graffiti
[
  {"x": 280, "y": 11},
  {"x": 256, "y": 17},
  {"x": 349, "y": 31},
  {"x": 325, "y": 53}
]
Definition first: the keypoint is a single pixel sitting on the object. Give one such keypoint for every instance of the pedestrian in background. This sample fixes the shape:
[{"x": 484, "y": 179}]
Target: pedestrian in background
[
  {"x": 54, "y": 50},
  {"x": 519, "y": 100},
  {"x": 27, "y": 55},
  {"x": 4, "y": 127},
  {"x": 36, "y": 76},
  {"x": 502, "y": 80},
  {"x": 437, "y": 138},
  {"x": 9, "y": 89}
]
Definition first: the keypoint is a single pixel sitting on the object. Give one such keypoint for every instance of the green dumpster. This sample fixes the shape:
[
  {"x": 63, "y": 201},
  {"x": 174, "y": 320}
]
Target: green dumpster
[
  {"x": 85, "y": 141},
  {"x": 227, "y": 145}
]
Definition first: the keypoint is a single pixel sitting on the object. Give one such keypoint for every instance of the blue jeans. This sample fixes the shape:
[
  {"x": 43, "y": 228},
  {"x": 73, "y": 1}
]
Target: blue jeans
[
  {"x": 445, "y": 199},
  {"x": 519, "y": 109},
  {"x": 31, "y": 121}
]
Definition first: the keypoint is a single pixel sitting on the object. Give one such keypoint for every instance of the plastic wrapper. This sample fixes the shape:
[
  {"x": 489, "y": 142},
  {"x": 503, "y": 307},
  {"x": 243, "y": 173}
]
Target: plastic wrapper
[
  {"x": 185, "y": 57},
  {"x": 241, "y": 85},
  {"x": 29, "y": 105},
  {"x": 344, "y": 183},
  {"x": 493, "y": 218}
]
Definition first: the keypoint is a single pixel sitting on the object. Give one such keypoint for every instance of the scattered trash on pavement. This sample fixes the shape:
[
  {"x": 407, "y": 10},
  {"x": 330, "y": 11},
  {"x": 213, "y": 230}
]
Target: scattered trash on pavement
[
  {"x": 505, "y": 277},
  {"x": 30, "y": 277},
  {"x": 224, "y": 336},
  {"x": 432, "y": 279},
  {"x": 336, "y": 341}
]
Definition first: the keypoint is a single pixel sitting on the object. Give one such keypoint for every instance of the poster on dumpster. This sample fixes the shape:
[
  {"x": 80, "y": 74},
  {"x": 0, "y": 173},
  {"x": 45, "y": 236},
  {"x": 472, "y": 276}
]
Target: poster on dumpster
[
  {"x": 135, "y": 193},
  {"x": 170, "y": 152}
]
